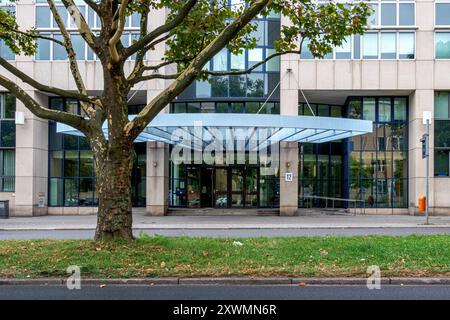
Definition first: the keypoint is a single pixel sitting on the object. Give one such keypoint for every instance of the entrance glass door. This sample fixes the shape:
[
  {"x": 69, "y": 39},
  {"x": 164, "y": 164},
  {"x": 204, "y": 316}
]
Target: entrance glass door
[
  {"x": 237, "y": 187},
  {"x": 251, "y": 188},
  {"x": 221, "y": 188}
]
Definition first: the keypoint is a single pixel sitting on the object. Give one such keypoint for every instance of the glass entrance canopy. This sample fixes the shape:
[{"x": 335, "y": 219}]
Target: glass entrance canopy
[{"x": 197, "y": 130}]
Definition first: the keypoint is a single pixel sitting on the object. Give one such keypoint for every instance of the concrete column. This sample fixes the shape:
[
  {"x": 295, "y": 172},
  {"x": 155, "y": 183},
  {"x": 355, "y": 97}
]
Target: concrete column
[
  {"x": 289, "y": 151},
  {"x": 288, "y": 189},
  {"x": 31, "y": 196},
  {"x": 157, "y": 178}
]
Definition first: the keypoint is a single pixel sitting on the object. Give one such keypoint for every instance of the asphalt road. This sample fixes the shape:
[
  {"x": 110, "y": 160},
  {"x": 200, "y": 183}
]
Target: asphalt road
[
  {"x": 205, "y": 292},
  {"x": 233, "y": 233}
]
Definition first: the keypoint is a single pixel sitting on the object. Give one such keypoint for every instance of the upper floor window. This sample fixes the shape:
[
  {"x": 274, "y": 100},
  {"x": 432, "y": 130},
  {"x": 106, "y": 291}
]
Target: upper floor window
[
  {"x": 442, "y": 16},
  {"x": 5, "y": 51},
  {"x": 392, "y": 13},
  {"x": 372, "y": 45},
  {"x": 442, "y": 45},
  {"x": 441, "y": 133}
]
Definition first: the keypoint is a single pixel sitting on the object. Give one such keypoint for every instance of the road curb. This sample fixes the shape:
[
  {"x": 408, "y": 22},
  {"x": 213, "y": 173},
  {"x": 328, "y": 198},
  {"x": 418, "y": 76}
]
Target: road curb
[{"x": 231, "y": 281}]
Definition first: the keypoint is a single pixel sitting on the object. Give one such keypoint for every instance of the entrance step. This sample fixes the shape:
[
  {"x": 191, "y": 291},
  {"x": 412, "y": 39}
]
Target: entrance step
[{"x": 221, "y": 212}]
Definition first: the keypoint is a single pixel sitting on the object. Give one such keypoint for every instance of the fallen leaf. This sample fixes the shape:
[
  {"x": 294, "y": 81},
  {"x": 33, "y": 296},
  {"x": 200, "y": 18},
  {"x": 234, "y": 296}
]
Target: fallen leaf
[
  {"x": 163, "y": 264},
  {"x": 302, "y": 284},
  {"x": 102, "y": 286}
]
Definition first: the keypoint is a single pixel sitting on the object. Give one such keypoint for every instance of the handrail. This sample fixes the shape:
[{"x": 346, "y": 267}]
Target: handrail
[{"x": 333, "y": 200}]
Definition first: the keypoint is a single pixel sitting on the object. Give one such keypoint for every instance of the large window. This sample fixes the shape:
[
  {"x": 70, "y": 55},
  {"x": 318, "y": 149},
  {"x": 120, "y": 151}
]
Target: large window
[
  {"x": 7, "y": 142},
  {"x": 442, "y": 45},
  {"x": 441, "y": 134},
  {"x": 226, "y": 107},
  {"x": 71, "y": 165},
  {"x": 390, "y": 34},
  {"x": 378, "y": 162},
  {"x": 5, "y": 51},
  {"x": 46, "y": 25},
  {"x": 371, "y": 45},
  {"x": 260, "y": 83}
]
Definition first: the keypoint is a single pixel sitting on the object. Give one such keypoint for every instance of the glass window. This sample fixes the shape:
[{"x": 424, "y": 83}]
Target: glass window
[
  {"x": 443, "y": 14},
  {"x": 135, "y": 20},
  {"x": 354, "y": 108},
  {"x": 5, "y": 51},
  {"x": 78, "y": 46},
  {"x": 219, "y": 86},
  {"x": 220, "y": 61},
  {"x": 400, "y": 109},
  {"x": 208, "y": 107},
  {"x": 255, "y": 85},
  {"x": 193, "y": 107},
  {"x": 441, "y": 163},
  {"x": 237, "y": 107},
  {"x": 86, "y": 164},
  {"x": 388, "y": 45},
  {"x": 345, "y": 50},
  {"x": 179, "y": 107},
  {"x": 42, "y": 17},
  {"x": 43, "y": 49},
  {"x": 70, "y": 192},
  {"x": 388, "y": 14},
  {"x": 238, "y": 61},
  {"x": 406, "y": 14},
  {"x": 441, "y": 104},
  {"x": 7, "y": 170},
  {"x": 63, "y": 14},
  {"x": 370, "y": 46},
  {"x": 9, "y": 107},
  {"x": 274, "y": 63},
  {"x": 373, "y": 18},
  {"x": 356, "y": 46},
  {"x": 258, "y": 34},
  {"x": 222, "y": 107},
  {"x": 56, "y": 163},
  {"x": 71, "y": 164},
  {"x": 8, "y": 133},
  {"x": 441, "y": 134},
  {"x": 384, "y": 110},
  {"x": 56, "y": 192},
  {"x": 442, "y": 45},
  {"x": 252, "y": 107},
  {"x": 306, "y": 53},
  {"x": 406, "y": 45},
  {"x": 237, "y": 86},
  {"x": 203, "y": 89},
  {"x": 59, "y": 52},
  {"x": 254, "y": 56},
  {"x": 369, "y": 109}
]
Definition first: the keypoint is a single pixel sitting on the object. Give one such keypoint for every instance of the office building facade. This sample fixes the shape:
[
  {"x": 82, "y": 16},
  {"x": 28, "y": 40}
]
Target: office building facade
[{"x": 391, "y": 75}]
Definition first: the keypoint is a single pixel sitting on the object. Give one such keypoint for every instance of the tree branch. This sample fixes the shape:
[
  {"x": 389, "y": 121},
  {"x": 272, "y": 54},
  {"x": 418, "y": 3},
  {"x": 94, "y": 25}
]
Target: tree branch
[
  {"x": 153, "y": 77},
  {"x": 39, "y": 86},
  {"x": 93, "y": 5},
  {"x": 83, "y": 27},
  {"x": 75, "y": 121},
  {"x": 151, "y": 36},
  {"x": 120, "y": 27},
  {"x": 151, "y": 110}
]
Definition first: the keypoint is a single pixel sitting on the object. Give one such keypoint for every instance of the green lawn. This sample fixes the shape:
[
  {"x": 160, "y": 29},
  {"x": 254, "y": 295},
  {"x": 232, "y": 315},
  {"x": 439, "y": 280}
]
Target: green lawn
[{"x": 166, "y": 256}]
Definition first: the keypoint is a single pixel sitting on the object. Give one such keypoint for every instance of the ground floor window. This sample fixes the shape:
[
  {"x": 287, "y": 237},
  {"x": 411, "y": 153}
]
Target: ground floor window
[
  {"x": 441, "y": 134},
  {"x": 71, "y": 166},
  {"x": 7, "y": 142},
  {"x": 232, "y": 186}
]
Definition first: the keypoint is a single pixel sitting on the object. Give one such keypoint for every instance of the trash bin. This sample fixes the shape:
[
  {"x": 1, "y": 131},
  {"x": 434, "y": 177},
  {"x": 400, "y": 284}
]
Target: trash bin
[{"x": 4, "y": 209}]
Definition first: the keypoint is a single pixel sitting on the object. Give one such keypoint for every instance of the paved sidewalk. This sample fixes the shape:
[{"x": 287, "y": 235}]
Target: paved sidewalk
[{"x": 141, "y": 221}]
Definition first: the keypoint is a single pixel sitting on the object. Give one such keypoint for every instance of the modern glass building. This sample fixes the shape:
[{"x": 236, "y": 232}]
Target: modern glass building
[{"x": 390, "y": 75}]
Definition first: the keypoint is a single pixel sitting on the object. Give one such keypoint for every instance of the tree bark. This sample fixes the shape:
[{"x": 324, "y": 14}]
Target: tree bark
[{"x": 113, "y": 170}]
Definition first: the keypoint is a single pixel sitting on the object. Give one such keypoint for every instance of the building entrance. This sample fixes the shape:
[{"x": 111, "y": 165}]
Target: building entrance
[{"x": 222, "y": 187}]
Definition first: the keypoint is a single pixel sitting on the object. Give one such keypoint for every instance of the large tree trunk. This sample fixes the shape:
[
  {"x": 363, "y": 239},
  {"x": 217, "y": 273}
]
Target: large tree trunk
[{"x": 113, "y": 172}]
